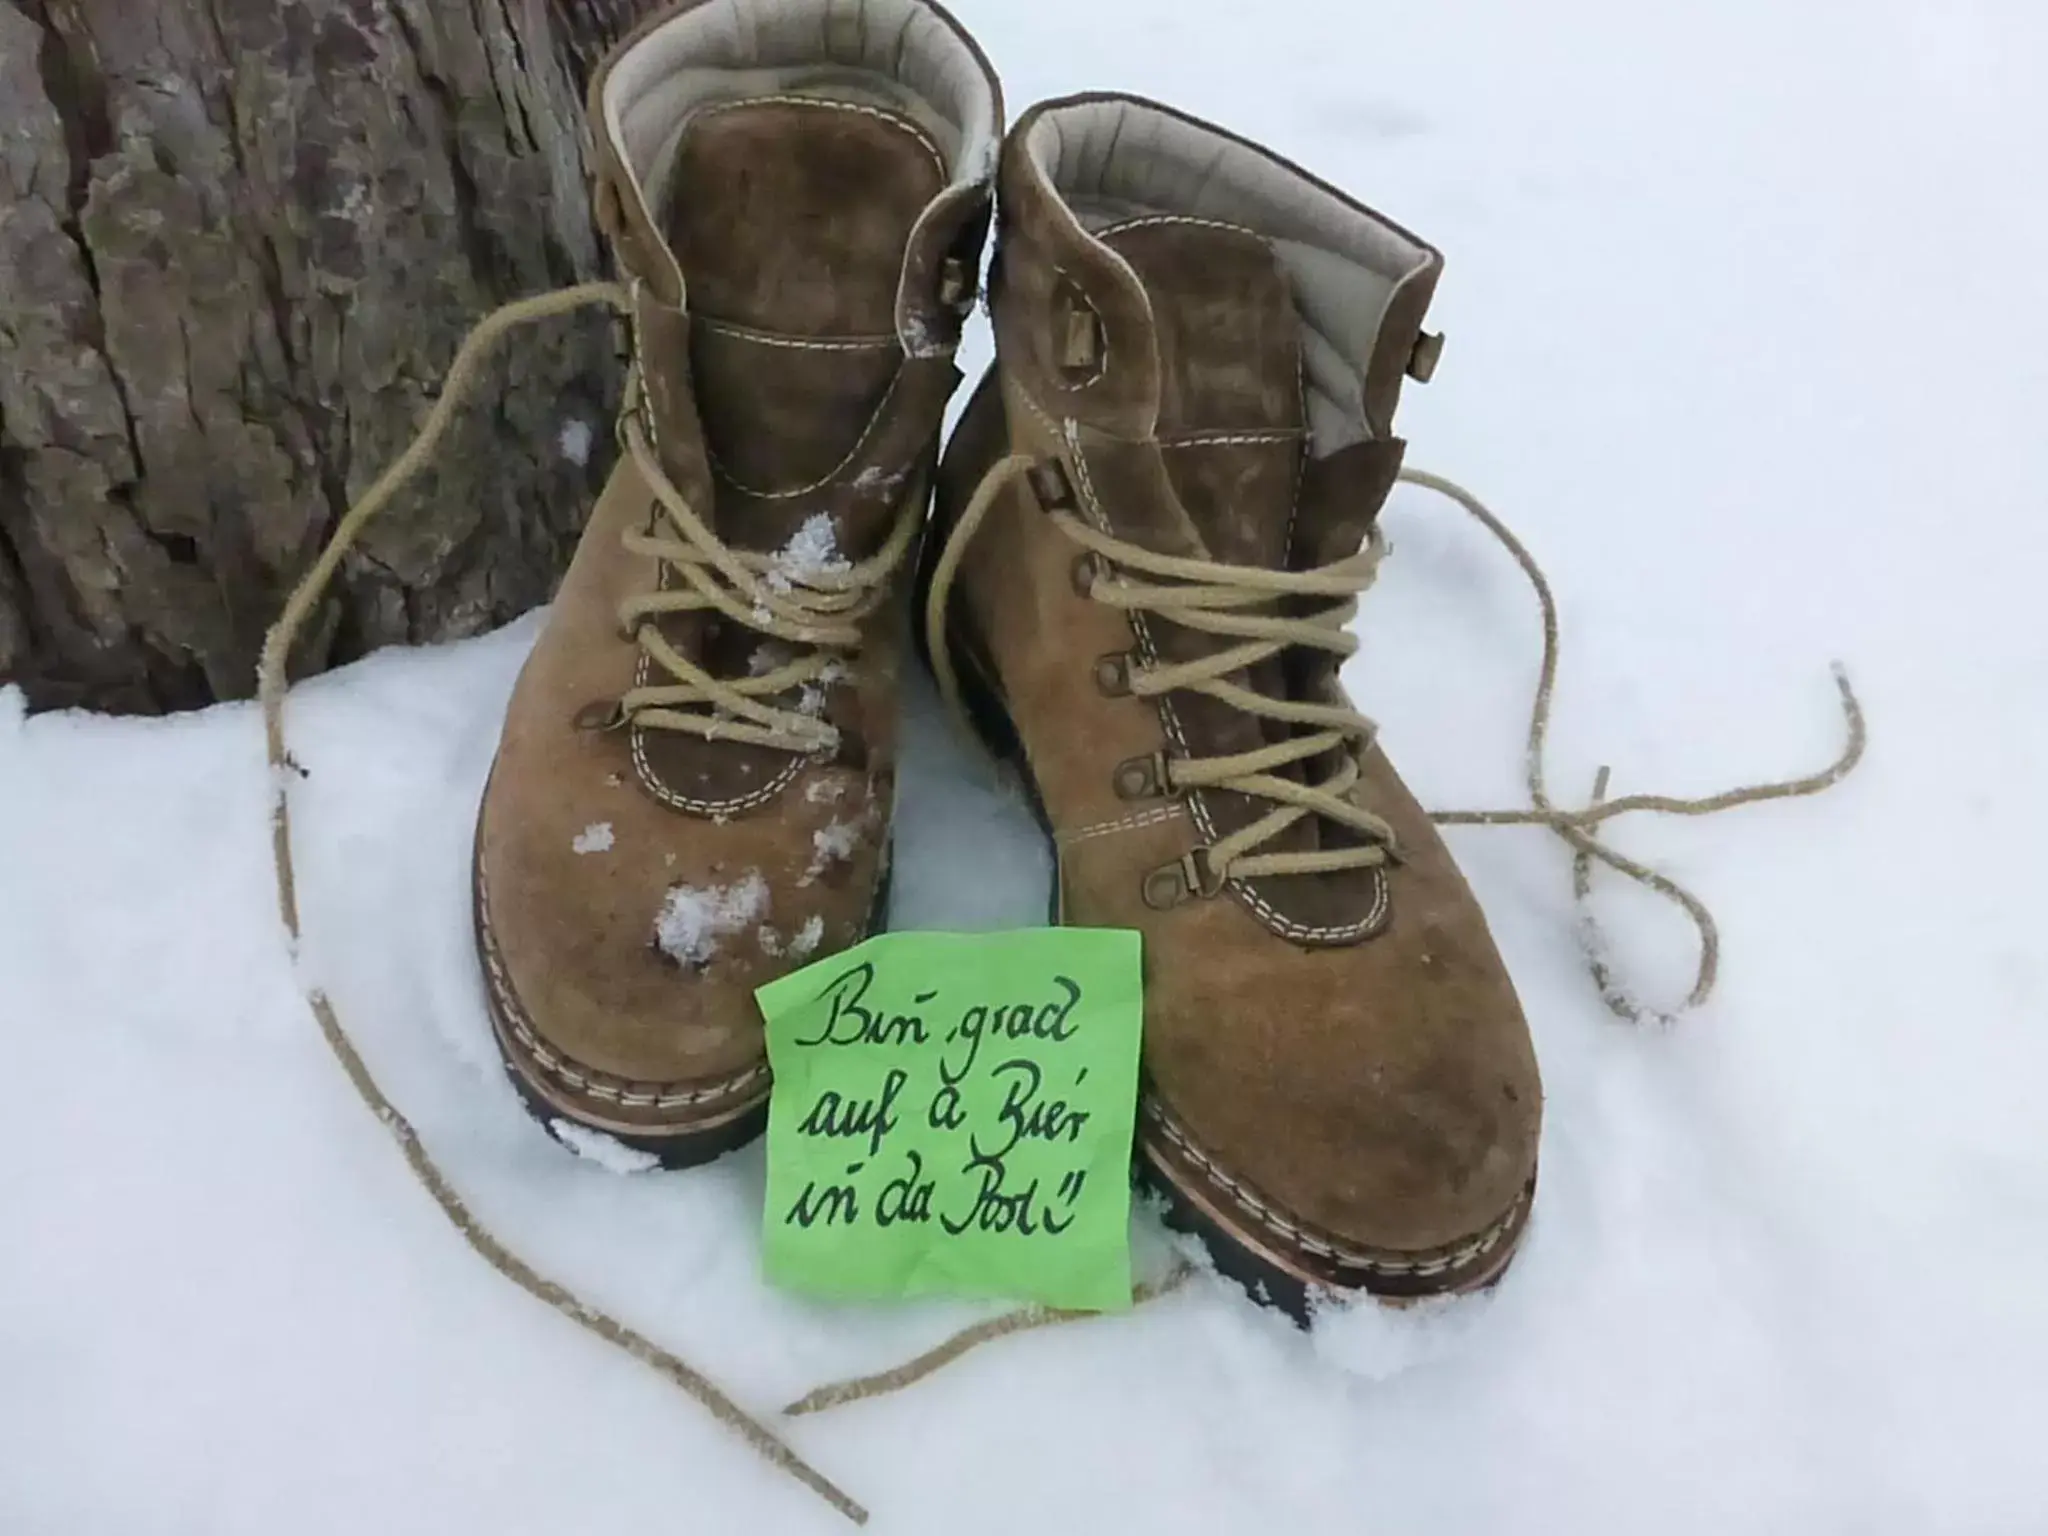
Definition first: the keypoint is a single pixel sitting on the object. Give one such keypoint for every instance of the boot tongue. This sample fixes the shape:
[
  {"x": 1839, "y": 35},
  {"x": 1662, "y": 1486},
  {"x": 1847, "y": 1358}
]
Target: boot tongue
[
  {"x": 790, "y": 217},
  {"x": 1232, "y": 434},
  {"x": 1230, "y": 403}
]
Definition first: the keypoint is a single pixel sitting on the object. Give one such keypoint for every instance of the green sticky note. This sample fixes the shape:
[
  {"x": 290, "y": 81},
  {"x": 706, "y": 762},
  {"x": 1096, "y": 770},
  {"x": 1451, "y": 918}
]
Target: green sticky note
[{"x": 952, "y": 1115}]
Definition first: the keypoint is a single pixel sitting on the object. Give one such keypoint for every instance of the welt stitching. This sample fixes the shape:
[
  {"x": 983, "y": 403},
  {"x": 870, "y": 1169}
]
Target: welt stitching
[
  {"x": 1357, "y": 1258},
  {"x": 597, "y": 1085}
]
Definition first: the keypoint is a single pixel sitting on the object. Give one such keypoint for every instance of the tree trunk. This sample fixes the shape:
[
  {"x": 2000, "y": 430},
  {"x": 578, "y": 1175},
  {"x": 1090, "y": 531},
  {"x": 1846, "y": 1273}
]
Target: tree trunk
[{"x": 239, "y": 242}]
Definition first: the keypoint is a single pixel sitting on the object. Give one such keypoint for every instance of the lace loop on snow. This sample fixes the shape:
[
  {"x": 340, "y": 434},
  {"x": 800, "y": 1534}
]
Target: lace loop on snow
[
  {"x": 1577, "y": 828},
  {"x": 859, "y": 1388},
  {"x": 272, "y": 685}
]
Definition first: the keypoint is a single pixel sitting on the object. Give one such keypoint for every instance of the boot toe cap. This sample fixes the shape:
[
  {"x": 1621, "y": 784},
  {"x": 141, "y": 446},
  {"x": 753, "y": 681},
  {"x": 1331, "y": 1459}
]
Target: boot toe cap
[
  {"x": 620, "y": 969},
  {"x": 1389, "y": 1130}
]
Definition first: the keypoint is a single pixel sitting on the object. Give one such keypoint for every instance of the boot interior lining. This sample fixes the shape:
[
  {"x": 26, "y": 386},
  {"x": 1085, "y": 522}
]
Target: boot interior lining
[
  {"x": 896, "y": 54},
  {"x": 1118, "y": 159}
]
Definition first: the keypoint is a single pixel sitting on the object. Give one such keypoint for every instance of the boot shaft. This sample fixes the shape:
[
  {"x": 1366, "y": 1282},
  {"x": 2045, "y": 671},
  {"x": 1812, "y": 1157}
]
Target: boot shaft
[
  {"x": 1206, "y": 346},
  {"x": 1162, "y": 280},
  {"x": 906, "y": 58},
  {"x": 796, "y": 192},
  {"x": 1158, "y": 514},
  {"x": 799, "y": 195}
]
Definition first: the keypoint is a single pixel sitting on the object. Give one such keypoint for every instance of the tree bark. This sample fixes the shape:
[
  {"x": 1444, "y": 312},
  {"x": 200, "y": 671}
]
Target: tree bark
[{"x": 239, "y": 243}]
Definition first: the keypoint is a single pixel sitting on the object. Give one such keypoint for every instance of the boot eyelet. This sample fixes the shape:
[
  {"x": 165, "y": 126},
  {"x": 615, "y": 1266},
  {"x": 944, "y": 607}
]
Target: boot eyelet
[
  {"x": 1165, "y": 887},
  {"x": 1088, "y": 569},
  {"x": 1050, "y": 485},
  {"x": 1113, "y": 675},
  {"x": 599, "y": 715},
  {"x": 1143, "y": 778}
]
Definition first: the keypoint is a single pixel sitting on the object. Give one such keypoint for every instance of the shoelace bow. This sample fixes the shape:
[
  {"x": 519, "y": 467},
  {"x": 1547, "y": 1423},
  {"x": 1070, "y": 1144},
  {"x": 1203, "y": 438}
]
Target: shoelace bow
[{"x": 1236, "y": 602}]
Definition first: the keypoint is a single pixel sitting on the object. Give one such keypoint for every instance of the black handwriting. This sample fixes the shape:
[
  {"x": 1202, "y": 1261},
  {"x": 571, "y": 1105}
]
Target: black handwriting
[
  {"x": 838, "y": 1115},
  {"x": 851, "y": 1022}
]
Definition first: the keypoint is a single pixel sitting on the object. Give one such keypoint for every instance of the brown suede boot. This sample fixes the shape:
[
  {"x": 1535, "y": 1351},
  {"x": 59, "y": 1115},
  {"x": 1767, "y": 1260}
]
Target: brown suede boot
[
  {"x": 693, "y": 789},
  {"x": 1159, "y": 511}
]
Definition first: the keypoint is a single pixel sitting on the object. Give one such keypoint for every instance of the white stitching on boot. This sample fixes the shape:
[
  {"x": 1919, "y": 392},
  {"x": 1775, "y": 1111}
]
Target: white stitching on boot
[
  {"x": 1274, "y": 919},
  {"x": 1356, "y": 1258},
  {"x": 611, "y": 1090},
  {"x": 1131, "y": 823}
]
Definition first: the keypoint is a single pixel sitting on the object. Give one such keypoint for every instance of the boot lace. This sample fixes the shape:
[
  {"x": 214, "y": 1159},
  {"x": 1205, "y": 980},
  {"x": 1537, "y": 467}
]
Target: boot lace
[
  {"x": 1235, "y": 603},
  {"x": 1239, "y": 603},
  {"x": 825, "y": 609},
  {"x": 816, "y": 604},
  {"x": 1224, "y": 600}
]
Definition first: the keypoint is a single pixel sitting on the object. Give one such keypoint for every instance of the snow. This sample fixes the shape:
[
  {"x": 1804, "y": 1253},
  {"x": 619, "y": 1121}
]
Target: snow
[
  {"x": 877, "y": 479},
  {"x": 694, "y": 918},
  {"x": 920, "y": 339},
  {"x": 804, "y": 943},
  {"x": 595, "y": 838},
  {"x": 609, "y": 1153},
  {"x": 833, "y": 843},
  {"x": 812, "y": 552},
  {"x": 1749, "y": 343},
  {"x": 800, "y": 945},
  {"x": 575, "y": 440},
  {"x": 770, "y": 656}
]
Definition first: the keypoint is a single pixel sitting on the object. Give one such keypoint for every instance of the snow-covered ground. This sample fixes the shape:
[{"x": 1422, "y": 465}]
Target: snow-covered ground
[{"x": 1749, "y": 336}]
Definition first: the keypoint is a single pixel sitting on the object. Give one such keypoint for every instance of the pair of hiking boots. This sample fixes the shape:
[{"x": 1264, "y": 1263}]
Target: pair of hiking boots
[{"x": 1134, "y": 568}]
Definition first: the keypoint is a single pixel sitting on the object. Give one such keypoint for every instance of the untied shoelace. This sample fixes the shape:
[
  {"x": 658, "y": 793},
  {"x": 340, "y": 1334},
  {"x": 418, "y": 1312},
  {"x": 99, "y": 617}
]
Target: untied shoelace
[
  {"x": 1238, "y": 603},
  {"x": 820, "y": 613},
  {"x": 822, "y": 609}
]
